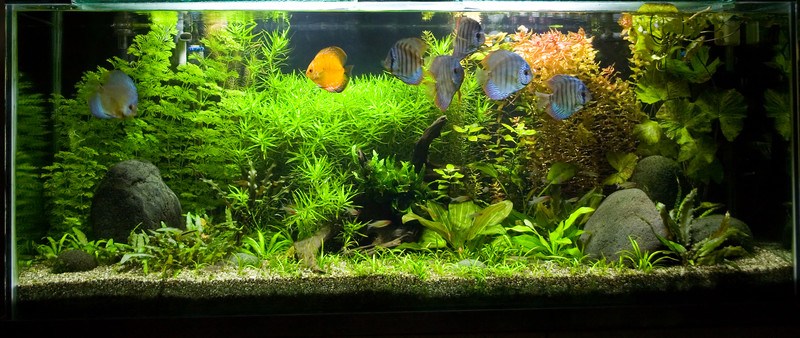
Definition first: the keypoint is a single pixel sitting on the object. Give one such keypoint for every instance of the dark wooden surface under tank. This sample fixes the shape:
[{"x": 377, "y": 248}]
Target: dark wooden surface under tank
[{"x": 709, "y": 318}]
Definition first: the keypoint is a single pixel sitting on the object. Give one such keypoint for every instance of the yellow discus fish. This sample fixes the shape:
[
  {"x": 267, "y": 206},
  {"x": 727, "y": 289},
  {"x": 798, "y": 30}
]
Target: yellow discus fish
[{"x": 328, "y": 71}]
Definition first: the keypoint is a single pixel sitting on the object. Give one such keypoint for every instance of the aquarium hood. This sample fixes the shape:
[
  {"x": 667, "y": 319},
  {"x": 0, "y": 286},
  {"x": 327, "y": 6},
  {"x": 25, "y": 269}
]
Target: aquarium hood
[{"x": 381, "y": 6}]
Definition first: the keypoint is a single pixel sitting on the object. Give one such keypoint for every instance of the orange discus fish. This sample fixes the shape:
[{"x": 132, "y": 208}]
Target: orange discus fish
[{"x": 328, "y": 71}]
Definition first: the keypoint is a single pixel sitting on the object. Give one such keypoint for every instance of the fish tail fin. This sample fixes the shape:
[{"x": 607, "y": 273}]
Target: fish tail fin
[
  {"x": 348, "y": 70},
  {"x": 96, "y": 107},
  {"x": 481, "y": 75},
  {"x": 429, "y": 83},
  {"x": 542, "y": 100}
]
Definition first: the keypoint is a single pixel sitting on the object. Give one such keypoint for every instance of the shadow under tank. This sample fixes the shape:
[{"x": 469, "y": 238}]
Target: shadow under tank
[{"x": 400, "y": 164}]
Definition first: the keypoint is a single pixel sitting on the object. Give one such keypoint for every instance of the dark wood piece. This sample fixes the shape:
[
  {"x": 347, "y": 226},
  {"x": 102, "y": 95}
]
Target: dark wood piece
[{"x": 420, "y": 157}]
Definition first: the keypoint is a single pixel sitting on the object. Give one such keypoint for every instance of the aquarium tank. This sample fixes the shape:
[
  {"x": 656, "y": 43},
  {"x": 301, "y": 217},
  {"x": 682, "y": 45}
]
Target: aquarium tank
[{"x": 290, "y": 158}]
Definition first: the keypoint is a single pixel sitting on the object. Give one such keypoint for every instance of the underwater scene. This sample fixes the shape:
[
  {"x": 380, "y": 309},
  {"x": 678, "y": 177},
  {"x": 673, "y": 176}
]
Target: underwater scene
[{"x": 308, "y": 161}]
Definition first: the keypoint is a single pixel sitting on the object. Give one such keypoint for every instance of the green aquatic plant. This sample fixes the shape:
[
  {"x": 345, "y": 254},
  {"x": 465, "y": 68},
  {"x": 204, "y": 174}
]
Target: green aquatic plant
[
  {"x": 256, "y": 199},
  {"x": 32, "y": 142},
  {"x": 168, "y": 250},
  {"x": 436, "y": 47},
  {"x": 672, "y": 62},
  {"x": 624, "y": 164},
  {"x": 462, "y": 223},
  {"x": 505, "y": 157},
  {"x": 266, "y": 245},
  {"x": 712, "y": 250},
  {"x": 69, "y": 185},
  {"x": 549, "y": 207},
  {"x": 104, "y": 251},
  {"x": 259, "y": 54},
  {"x": 449, "y": 182},
  {"x": 604, "y": 125},
  {"x": 180, "y": 126},
  {"x": 385, "y": 180},
  {"x": 777, "y": 102},
  {"x": 350, "y": 234},
  {"x": 642, "y": 260},
  {"x": 325, "y": 201},
  {"x": 560, "y": 244}
]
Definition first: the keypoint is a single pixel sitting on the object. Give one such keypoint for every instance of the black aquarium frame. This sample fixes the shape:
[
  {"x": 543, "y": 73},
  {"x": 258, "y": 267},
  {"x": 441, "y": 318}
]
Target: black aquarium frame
[{"x": 760, "y": 311}]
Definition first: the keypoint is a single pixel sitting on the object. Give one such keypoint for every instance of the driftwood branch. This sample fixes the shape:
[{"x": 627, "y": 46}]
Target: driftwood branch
[{"x": 422, "y": 147}]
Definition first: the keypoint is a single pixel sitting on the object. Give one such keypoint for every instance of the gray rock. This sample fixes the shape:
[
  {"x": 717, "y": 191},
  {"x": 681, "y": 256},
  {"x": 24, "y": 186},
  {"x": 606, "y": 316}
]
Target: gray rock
[
  {"x": 74, "y": 261},
  {"x": 701, "y": 228},
  {"x": 472, "y": 263},
  {"x": 244, "y": 259},
  {"x": 132, "y": 194},
  {"x": 624, "y": 213},
  {"x": 658, "y": 176}
]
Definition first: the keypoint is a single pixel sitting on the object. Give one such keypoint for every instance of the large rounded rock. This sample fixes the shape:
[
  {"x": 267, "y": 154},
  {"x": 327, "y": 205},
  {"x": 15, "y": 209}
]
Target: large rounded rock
[
  {"x": 660, "y": 178},
  {"x": 133, "y": 194},
  {"x": 701, "y": 228},
  {"x": 74, "y": 261},
  {"x": 624, "y": 213}
]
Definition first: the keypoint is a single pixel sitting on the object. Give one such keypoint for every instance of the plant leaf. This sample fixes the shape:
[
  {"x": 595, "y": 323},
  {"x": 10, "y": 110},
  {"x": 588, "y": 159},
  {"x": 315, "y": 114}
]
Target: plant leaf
[
  {"x": 437, "y": 227},
  {"x": 779, "y": 108},
  {"x": 625, "y": 163},
  {"x": 485, "y": 168},
  {"x": 521, "y": 228},
  {"x": 729, "y": 107},
  {"x": 128, "y": 256},
  {"x": 489, "y": 216},
  {"x": 560, "y": 172},
  {"x": 649, "y": 131}
]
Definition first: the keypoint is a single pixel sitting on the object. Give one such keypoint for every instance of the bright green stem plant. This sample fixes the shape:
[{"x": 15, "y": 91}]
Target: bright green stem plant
[{"x": 450, "y": 180}]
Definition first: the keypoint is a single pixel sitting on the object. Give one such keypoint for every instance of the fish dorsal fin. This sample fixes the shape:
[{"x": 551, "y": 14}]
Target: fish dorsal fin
[{"x": 416, "y": 44}]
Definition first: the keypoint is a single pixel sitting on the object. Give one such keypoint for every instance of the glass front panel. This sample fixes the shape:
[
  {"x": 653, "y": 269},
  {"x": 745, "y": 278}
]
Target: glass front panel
[{"x": 259, "y": 158}]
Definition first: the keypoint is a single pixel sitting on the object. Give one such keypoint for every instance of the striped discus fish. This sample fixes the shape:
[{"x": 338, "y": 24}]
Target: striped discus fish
[
  {"x": 504, "y": 73},
  {"x": 469, "y": 36},
  {"x": 449, "y": 75},
  {"x": 405, "y": 60},
  {"x": 569, "y": 95}
]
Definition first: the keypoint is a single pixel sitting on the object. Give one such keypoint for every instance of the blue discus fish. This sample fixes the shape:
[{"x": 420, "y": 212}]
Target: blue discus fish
[
  {"x": 569, "y": 95},
  {"x": 469, "y": 37},
  {"x": 503, "y": 74},
  {"x": 449, "y": 75},
  {"x": 405, "y": 60},
  {"x": 115, "y": 98}
]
